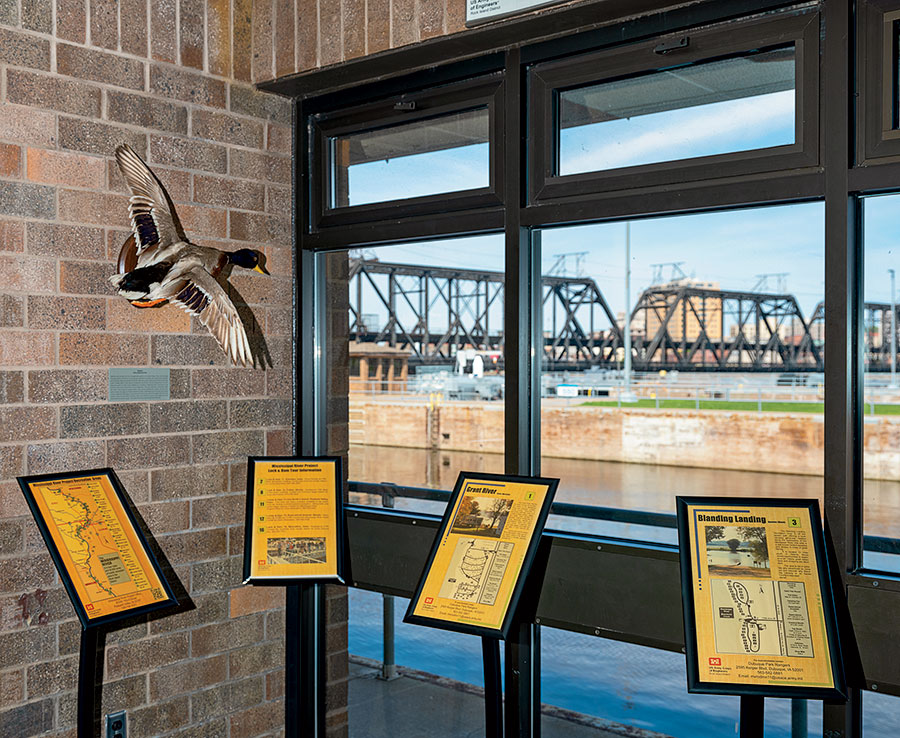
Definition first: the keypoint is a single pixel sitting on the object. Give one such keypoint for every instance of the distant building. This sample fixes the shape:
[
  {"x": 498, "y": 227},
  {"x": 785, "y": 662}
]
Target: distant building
[
  {"x": 375, "y": 368},
  {"x": 691, "y": 315}
]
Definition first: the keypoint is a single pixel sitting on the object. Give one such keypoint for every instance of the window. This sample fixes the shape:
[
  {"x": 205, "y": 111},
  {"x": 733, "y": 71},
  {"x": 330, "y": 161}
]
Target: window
[
  {"x": 879, "y": 134},
  {"x": 696, "y": 105}
]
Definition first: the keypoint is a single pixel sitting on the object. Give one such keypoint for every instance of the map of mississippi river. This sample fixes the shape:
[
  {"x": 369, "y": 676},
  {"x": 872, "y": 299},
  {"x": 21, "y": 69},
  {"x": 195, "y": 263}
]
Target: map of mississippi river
[{"x": 99, "y": 548}]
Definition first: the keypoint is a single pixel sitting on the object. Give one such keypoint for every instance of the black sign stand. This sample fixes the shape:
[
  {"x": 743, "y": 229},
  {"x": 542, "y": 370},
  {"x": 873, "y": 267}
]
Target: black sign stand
[
  {"x": 87, "y": 683},
  {"x": 752, "y": 715},
  {"x": 493, "y": 688}
]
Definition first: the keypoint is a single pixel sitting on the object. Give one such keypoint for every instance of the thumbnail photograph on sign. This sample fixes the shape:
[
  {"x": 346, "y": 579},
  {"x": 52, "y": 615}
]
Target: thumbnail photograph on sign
[
  {"x": 99, "y": 551},
  {"x": 482, "y": 553},
  {"x": 758, "y": 602},
  {"x": 294, "y": 520}
]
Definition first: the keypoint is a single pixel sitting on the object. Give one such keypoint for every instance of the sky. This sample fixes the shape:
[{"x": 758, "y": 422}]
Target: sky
[{"x": 730, "y": 247}]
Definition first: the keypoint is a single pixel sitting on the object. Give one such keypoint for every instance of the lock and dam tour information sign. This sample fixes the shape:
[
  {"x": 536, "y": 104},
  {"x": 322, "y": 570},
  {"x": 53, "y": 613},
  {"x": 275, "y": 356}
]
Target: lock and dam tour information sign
[{"x": 759, "y": 609}]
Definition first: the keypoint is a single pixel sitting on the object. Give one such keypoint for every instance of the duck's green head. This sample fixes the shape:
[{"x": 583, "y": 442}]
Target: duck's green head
[{"x": 249, "y": 259}]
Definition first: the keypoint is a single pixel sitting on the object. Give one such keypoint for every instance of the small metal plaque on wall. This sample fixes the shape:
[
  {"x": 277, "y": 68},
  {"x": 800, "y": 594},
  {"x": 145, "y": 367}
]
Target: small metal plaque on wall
[
  {"x": 481, "y": 11},
  {"x": 143, "y": 384}
]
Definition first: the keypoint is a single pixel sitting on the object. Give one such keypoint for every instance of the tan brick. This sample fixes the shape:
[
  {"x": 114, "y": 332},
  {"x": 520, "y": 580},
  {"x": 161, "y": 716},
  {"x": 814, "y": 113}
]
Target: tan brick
[
  {"x": 51, "y": 677},
  {"x": 85, "y": 278},
  {"x": 12, "y": 311},
  {"x": 254, "y": 165},
  {"x": 76, "y": 242},
  {"x": 179, "y": 350},
  {"x": 226, "y": 445},
  {"x": 27, "y": 200},
  {"x": 99, "y": 66},
  {"x": 456, "y": 16},
  {"x": 404, "y": 23},
  {"x": 224, "y": 192},
  {"x": 285, "y": 23},
  {"x": 227, "y": 128},
  {"x": 27, "y": 125},
  {"x": 193, "y": 481},
  {"x": 330, "y": 32},
  {"x": 103, "y": 349},
  {"x": 10, "y": 463},
  {"x": 261, "y": 66},
  {"x": 195, "y": 545},
  {"x": 93, "y": 207},
  {"x": 12, "y": 235},
  {"x": 133, "y": 28},
  {"x": 227, "y": 698},
  {"x": 163, "y": 31},
  {"x": 256, "y": 720},
  {"x": 46, "y": 91},
  {"x": 97, "y": 138},
  {"x": 354, "y": 25},
  {"x": 255, "y": 660},
  {"x": 17, "y": 575},
  {"x": 225, "y": 636},
  {"x": 242, "y": 39},
  {"x": 278, "y": 443},
  {"x": 105, "y": 23},
  {"x": 166, "y": 517},
  {"x": 202, "y": 221},
  {"x": 378, "y": 25},
  {"x": 246, "y": 100},
  {"x": 10, "y": 160},
  {"x": 20, "y": 274},
  {"x": 67, "y": 385},
  {"x": 71, "y": 20},
  {"x": 124, "y": 694},
  {"x": 123, "y": 316},
  {"x": 134, "y": 453},
  {"x": 37, "y": 15},
  {"x": 247, "y": 600},
  {"x": 431, "y": 20},
  {"x": 146, "y": 654},
  {"x": 187, "y": 676},
  {"x": 187, "y": 416},
  {"x": 26, "y": 348},
  {"x": 33, "y": 718},
  {"x": 259, "y": 229},
  {"x": 23, "y": 50},
  {"x": 12, "y": 688},
  {"x": 104, "y": 419},
  {"x": 188, "y": 154},
  {"x": 192, "y": 33},
  {"x": 44, "y": 458},
  {"x": 228, "y": 383},
  {"x": 279, "y": 138},
  {"x": 74, "y": 170},
  {"x": 146, "y": 112},
  {"x": 27, "y": 423},
  {"x": 218, "y": 511},
  {"x": 187, "y": 86},
  {"x": 67, "y": 313},
  {"x": 218, "y": 37},
  {"x": 308, "y": 35},
  {"x": 12, "y": 502},
  {"x": 146, "y": 722},
  {"x": 275, "y": 685}
]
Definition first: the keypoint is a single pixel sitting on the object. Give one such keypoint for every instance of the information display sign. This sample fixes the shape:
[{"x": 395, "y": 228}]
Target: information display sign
[
  {"x": 481, "y": 11},
  {"x": 101, "y": 554},
  {"x": 294, "y": 528},
  {"x": 758, "y": 605},
  {"x": 482, "y": 553}
]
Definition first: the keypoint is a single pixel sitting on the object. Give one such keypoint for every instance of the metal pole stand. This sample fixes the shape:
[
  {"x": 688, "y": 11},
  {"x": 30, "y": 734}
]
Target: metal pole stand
[
  {"x": 88, "y": 717},
  {"x": 752, "y": 716},
  {"x": 493, "y": 689}
]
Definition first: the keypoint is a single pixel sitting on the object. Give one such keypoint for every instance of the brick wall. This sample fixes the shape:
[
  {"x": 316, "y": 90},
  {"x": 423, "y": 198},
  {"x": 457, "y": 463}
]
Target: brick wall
[{"x": 76, "y": 78}]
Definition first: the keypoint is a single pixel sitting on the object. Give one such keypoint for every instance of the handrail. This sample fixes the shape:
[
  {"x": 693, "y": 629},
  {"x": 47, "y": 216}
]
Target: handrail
[{"x": 388, "y": 491}]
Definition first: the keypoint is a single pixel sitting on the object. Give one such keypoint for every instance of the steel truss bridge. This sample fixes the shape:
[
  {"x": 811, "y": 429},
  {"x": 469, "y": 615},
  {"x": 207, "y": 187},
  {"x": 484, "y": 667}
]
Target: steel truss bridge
[{"x": 433, "y": 311}]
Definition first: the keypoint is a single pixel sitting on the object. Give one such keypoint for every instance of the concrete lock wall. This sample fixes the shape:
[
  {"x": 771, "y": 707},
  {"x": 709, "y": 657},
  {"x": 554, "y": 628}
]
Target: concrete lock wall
[{"x": 788, "y": 443}]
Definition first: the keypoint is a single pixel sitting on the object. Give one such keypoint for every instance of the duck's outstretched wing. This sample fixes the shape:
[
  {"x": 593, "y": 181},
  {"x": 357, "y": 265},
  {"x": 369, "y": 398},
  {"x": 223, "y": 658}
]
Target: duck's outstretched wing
[
  {"x": 198, "y": 293},
  {"x": 151, "y": 219}
]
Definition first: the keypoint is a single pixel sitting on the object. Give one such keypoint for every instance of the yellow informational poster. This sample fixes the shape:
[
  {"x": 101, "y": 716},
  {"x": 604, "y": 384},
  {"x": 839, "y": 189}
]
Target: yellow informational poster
[
  {"x": 481, "y": 555},
  {"x": 758, "y": 602},
  {"x": 101, "y": 555},
  {"x": 293, "y": 519}
]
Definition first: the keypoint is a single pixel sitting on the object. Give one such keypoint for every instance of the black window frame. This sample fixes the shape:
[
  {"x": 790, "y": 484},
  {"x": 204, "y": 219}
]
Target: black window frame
[
  {"x": 484, "y": 92},
  {"x": 548, "y": 79},
  {"x": 879, "y": 81}
]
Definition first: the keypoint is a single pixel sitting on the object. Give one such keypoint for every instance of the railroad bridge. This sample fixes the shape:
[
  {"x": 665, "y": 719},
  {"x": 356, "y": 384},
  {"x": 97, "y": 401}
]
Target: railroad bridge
[{"x": 432, "y": 311}]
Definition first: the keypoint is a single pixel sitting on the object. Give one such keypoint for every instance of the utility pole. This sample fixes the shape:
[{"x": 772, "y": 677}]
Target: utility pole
[{"x": 627, "y": 394}]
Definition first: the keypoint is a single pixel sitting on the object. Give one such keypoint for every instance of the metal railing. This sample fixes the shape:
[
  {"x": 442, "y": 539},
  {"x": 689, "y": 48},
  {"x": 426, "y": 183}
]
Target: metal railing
[{"x": 389, "y": 492}]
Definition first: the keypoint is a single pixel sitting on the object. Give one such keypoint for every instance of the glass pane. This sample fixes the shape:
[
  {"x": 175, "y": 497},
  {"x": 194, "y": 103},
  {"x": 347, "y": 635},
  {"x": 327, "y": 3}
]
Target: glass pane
[
  {"x": 724, "y": 390},
  {"x": 716, "y": 107},
  {"x": 881, "y": 713},
  {"x": 881, "y": 463},
  {"x": 434, "y": 326},
  {"x": 427, "y": 157}
]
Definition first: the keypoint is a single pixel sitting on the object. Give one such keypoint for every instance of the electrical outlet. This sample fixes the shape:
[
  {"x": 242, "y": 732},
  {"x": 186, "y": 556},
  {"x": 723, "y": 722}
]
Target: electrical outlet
[{"x": 116, "y": 725}]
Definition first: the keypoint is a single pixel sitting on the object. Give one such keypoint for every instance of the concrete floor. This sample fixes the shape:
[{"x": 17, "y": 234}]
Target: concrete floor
[{"x": 418, "y": 705}]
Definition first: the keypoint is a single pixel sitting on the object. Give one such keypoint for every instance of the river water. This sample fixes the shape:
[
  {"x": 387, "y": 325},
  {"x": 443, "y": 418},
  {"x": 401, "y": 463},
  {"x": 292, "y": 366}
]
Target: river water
[{"x": 619, "y": 682}]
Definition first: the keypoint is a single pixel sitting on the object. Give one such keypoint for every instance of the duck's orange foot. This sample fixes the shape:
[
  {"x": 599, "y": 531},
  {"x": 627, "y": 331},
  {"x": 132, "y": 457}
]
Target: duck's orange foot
[{"x": 148, "y": 303}]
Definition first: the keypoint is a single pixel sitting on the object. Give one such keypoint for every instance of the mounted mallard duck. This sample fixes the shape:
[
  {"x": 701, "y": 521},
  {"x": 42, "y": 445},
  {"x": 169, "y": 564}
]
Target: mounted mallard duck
[{"x": 158, "y": 264}]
